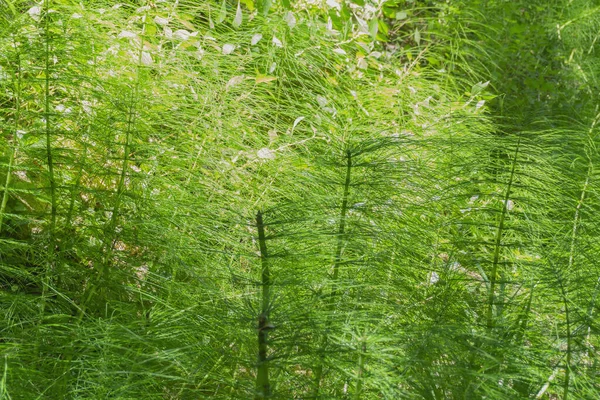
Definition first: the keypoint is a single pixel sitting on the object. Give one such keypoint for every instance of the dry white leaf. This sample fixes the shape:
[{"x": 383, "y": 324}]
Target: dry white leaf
[
  {"x": 362, "y": 63},
  {"x": 256, "y": 38},
  {"x": 127, "y": 34},
  {"x": 182, "y": 34},
  {"x": 146, "y": 58},
  {"x": 161, "y": 21},
  {"x": 290, "y": 19},
  {"x": 434, "y": 278},
  {"x": 35, "y": 12},
  {"x": 266, "y": 154},
  {"x": 296, "y": 122},
  {"x": 334, "y": 4},
  {"x": 237, "y": 21},
  {"x": 234, "y": 81},
  {"x": 228, "y": 48},
  {"x": 322, "y": 101}
]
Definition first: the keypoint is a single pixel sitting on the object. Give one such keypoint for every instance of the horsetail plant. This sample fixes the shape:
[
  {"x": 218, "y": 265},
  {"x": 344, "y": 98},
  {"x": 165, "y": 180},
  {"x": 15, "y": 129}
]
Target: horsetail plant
[{"x": 263, "y": 387}]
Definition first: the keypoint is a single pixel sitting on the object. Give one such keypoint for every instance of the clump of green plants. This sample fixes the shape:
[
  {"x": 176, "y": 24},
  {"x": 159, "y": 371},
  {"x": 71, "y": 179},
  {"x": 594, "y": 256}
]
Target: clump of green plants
[{"x": 256, "y": 199}]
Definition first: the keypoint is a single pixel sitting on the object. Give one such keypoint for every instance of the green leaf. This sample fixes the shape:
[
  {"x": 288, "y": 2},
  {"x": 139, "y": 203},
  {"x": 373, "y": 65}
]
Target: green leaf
[
  {"x": 222, "y": 12},
  {"x": 383, "y": 27},
  {"x": 382, "y": 37},
  {"x": 417, "y": 36},
  {"x": 12, "y": 7},
  {"x": 286, "y": 4},
  {"x": 249, "y": 4},
  {"x": 401, "y": 15},
  {"x": 345, "y": 13},
  {"x": 478, "y": 87},
  {"x": 264, "y": 6},
  {"x": 389, "y": 12},
  {"x": 150, "y": 30},
  {"x": 373, "y": 27}
]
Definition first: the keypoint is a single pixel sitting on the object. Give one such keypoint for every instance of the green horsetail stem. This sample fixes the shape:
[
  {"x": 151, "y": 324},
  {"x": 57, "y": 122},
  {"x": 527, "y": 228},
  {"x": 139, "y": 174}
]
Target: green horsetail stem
[
  {"x": 51, "y": 265},
  {"x": 361, "y": 368},
  {"x": 338, "y": 260},
  {"x": 263, "y": 387},
  {"x": 498, "y": 242},
  {"x": 13, "y": 152}
]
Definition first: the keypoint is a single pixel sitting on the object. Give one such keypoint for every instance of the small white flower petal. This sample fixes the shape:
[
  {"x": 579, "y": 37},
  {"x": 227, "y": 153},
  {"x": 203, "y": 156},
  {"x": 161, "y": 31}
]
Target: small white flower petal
[{"x": 277, "y": 42}]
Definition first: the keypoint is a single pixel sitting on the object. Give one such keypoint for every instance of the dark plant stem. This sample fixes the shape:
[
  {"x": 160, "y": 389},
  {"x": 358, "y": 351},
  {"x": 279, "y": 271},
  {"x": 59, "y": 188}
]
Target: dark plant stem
[
  {"x": 361, "y": 367},
  {"x": 498, "y": 242},
  {"x": 336, "y": 267},
  {"x": 263, "y": 387},
  {"x": 50, "y": 266},
  {"x": 567, "y": 381}
]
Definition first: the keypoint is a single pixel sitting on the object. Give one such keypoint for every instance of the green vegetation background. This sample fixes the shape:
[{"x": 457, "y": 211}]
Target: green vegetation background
[{"x": 299, "y": 199}]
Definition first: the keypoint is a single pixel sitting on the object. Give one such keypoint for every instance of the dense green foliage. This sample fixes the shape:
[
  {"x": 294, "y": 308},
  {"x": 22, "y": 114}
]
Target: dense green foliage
[{"x": 299, "y": 199}]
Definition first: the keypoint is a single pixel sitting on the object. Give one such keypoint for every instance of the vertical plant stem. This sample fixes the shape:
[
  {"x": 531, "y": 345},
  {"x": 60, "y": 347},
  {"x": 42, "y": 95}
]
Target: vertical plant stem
[
  {"x": 110, "y": 239},
  {"x": 336, "y": 266},
  {"x": 521, "y": 385},
  {"x": 4, "y": 382},
  {"x": 85, "y": 151},
  {"x": 48, "y": 125},
  {"x": 51, "y": 178},
  {"x": 567, "y": 380},
  {"x": 342, "y": 226},
  {"x": 361, "y": 366},
  {"x": 497, "y": 243},
  {"x": 13, "y": 152},
  {"x": 263, "y": 387},
  {"x": 590, "y": 316},
  {"x": 564, "y": 285}
]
